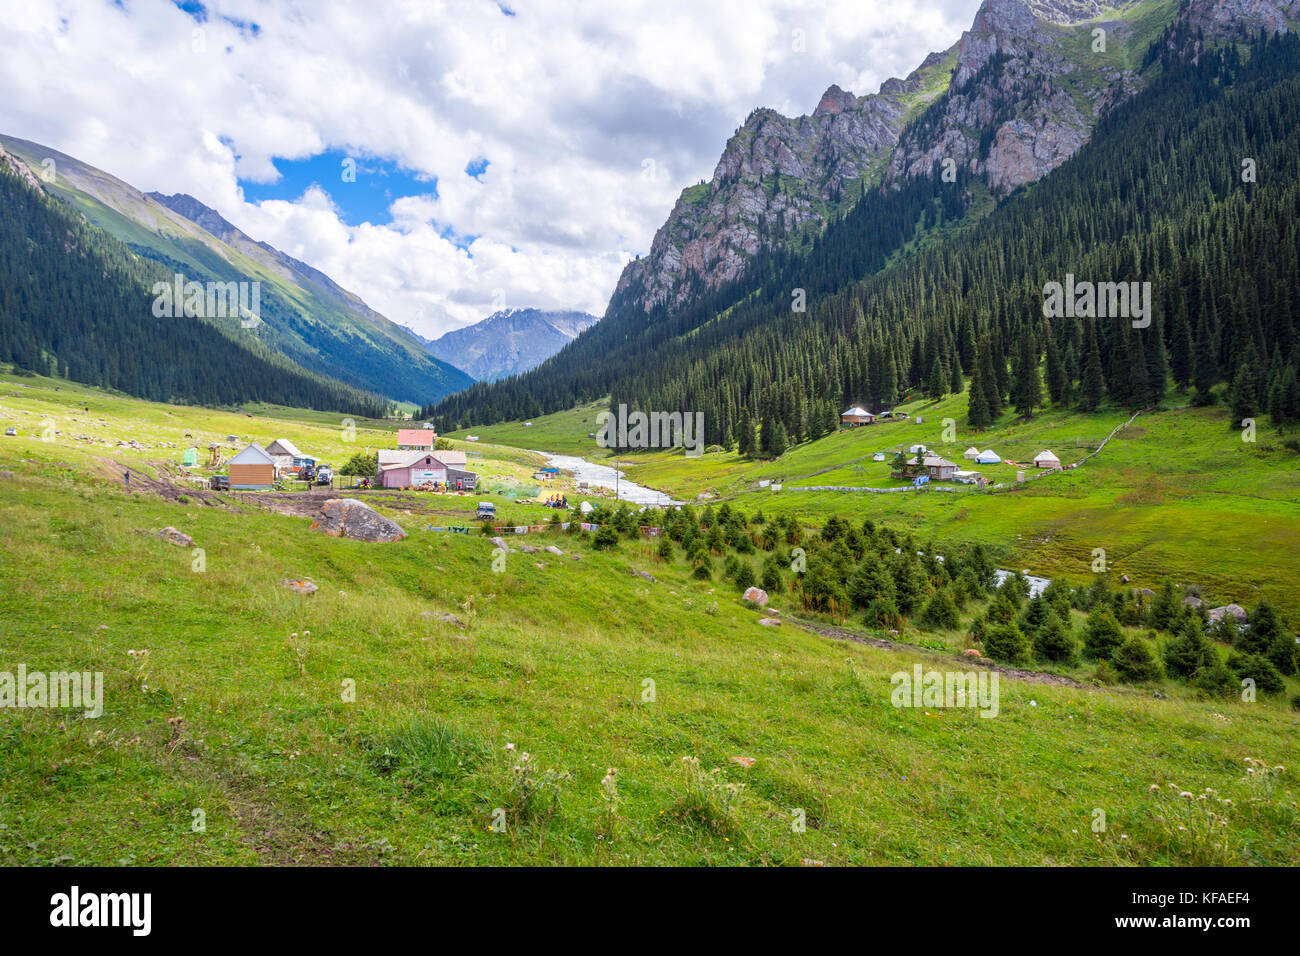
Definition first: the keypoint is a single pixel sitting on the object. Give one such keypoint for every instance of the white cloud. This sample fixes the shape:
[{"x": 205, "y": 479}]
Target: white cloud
[{"x": 566, "y": 100}]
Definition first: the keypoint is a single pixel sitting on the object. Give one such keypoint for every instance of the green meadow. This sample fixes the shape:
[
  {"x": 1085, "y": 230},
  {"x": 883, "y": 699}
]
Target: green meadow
[{"x": 384, "y": 719}]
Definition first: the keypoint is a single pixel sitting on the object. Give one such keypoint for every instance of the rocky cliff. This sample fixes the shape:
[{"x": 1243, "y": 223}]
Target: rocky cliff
[{"x": 1017, "y": 95}]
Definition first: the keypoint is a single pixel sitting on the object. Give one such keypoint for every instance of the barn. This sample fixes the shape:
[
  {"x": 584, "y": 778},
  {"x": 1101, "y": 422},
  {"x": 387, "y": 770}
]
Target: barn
[
  {"x": 252, "y": 468},
  {"x": 417, "y": 468}
]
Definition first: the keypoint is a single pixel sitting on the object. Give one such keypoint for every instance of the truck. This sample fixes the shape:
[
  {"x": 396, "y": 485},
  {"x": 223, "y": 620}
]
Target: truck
[{"x": 486, "y": 511}]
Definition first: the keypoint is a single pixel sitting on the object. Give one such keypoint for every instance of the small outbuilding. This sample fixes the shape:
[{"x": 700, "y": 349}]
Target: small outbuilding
[
  {"x": 918, "y": 450},
  {"x": 857, "y": 415},
  {"x": 252, "y": 468},
  {"x": 1045, "y": 459},
  {"x": 940, "y": 469}
]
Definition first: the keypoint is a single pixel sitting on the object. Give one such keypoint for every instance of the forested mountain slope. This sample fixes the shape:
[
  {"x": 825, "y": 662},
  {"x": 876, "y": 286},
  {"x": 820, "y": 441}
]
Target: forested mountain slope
[
  {"x": 76, "y": 302},
  {"x": 917, "y": 287},
  {"x": 305, "y": 315}
]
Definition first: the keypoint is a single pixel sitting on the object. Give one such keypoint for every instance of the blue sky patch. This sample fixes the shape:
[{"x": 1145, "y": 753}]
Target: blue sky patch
[
  {"x": 363, "y": 189},
  {"x": 477, "y": 167}
]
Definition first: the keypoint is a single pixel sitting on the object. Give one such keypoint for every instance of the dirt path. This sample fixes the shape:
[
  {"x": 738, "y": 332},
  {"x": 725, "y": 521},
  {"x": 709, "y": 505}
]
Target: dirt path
[{"x": 1031, "y": 677}]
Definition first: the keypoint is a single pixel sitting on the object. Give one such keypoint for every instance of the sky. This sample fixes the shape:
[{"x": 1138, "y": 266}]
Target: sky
[{"x": 443, "y": 160}]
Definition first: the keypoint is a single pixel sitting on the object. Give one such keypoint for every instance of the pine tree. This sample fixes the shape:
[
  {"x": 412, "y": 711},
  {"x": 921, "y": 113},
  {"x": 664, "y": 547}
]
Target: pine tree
[
  {"x": 1027, "y": 389},
  {"x": 1056, "y": 378},
  {"x": 1091, "y": 387}
]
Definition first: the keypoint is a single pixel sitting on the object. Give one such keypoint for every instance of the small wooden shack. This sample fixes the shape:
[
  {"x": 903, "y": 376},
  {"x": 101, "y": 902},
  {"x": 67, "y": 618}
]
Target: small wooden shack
[{"x": 252, "y": 468}]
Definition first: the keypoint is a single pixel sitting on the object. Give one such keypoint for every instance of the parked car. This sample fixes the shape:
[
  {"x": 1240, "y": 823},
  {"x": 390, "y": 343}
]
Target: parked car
[
  {"x": 220, "y": 483},
  {"x": 11, "y": 431},
  {"x": 306, "y": 473},
  {"x": 324, "y": 475},
  {"x": 486, "y": 511}
]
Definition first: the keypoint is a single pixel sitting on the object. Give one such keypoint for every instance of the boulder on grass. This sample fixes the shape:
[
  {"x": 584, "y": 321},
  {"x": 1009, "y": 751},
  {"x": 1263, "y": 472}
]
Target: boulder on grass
[
  {"x": 178, "y": 538},
  {"x": 300, "y": 585},
  {"x": 1236, "y": 610},
  {"x": 349, "y": 518},
  {"x": 770, "y": 621},
  {"x": 757, "y": 595}
]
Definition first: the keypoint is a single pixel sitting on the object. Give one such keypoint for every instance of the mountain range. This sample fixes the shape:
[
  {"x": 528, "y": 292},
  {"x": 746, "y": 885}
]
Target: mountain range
[
  {"x": 509, "y": 342},
  {"x": 884, "y": 243},
  {"x": 305, "y": 316}
]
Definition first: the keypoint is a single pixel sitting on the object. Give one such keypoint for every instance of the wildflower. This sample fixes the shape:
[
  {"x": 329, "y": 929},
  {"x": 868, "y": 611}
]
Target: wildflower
[{"x": 1186, "y": 794}]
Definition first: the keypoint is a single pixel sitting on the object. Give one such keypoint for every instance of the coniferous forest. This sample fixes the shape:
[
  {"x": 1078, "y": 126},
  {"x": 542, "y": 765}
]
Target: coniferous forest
[
  {"x": 76, "y": 303},
  {"x": 1192, "y": 185}
]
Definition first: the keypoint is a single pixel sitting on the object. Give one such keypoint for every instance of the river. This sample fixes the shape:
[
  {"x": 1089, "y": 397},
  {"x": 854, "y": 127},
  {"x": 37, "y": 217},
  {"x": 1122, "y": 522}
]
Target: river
[{"x": 603, "y": 476}]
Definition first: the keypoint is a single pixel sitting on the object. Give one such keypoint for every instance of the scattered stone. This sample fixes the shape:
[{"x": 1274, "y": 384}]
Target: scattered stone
[
  {"x": 1145, "y": 592},
  {"x": 809, "y": 861},
  {"x": 1123, "y": 578},
  {"x": 644, "y": 574},
  {"x": 1192, "y": 601},
  {"x": 444, "y": 616},
  {"x": 350, "y": 518},
  {"x": 529, "y": 549},
  {"x": 499, "y": 542},
  {"x": 771, "y": 612},
  {"x": 300, "y": 585},
  {"x": 971, "y": 652},
  {"x": 1236, "y": 610},
  {"x": 745, "y": 762},
  {"x": 539, "y": 564},
  {"x": 757, "y": 595},
  {"x": 770, "y": 621},
  {"x": 178, "y": 538},
  {"x": 552, "y": 549}
]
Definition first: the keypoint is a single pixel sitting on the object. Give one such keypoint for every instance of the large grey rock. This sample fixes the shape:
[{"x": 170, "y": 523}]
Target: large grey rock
[
  {"x": 349, "y": 518},
  {"x": 1236, "y": 610},
  {"x": 757, "y": 595},
  {"x": 178, "y": 538}
]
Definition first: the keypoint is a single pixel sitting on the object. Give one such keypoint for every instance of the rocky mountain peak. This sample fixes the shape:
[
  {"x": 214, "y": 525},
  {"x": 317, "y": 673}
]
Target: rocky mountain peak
[{"x": 835, "y": 100}]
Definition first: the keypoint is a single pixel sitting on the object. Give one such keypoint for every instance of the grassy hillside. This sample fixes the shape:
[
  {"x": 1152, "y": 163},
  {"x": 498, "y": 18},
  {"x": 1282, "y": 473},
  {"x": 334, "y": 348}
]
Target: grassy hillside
[
  {"x": 1175, "y": 493},
  {"x": 238, "y": 707}
]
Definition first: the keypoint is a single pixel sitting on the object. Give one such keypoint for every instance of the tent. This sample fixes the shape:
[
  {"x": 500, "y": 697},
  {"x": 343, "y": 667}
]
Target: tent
[
  {"x": 918, "y": 449},
  {"x": 1045, "y": 459},
  {"x": 972, "y": 453},
  {"x": 988, "y": 457}
]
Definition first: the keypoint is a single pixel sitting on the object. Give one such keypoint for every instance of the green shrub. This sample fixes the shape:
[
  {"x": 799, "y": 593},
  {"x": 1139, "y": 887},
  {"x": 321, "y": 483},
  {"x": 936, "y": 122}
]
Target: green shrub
[
  {"x": 1258, "y": 668},
  {"x": 605, "y": 537},
  {"x": 1055, "y": 641},
  {"x": 1101, "y": 635},
  {"x": 1134, "y": 661},
  {"x": 940, "y": 612},
  {"x": 1215, "y": 679},
  {"x": 1006, "y": 642},
  {"x": 1189, "y": 652}
]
